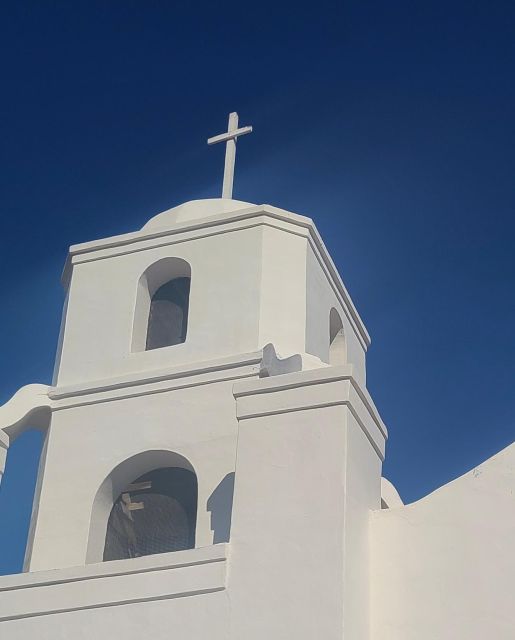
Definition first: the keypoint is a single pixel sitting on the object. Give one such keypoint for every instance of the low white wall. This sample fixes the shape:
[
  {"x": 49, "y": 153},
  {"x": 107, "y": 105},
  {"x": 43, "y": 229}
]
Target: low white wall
[
  {"x": 180, "y": 594},
  {"x": 444, "y": 567},
  {"x": 190, "y": 618},
  {"x": 161, "y": 576}
]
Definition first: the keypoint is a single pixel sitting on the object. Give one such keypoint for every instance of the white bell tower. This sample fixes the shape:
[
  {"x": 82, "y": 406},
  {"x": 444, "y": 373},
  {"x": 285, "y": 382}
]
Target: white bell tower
[{"x": 209, "y": 421}]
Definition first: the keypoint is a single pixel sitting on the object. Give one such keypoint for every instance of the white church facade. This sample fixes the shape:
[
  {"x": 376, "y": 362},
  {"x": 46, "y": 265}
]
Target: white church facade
[{"x": 212, "y": 458}]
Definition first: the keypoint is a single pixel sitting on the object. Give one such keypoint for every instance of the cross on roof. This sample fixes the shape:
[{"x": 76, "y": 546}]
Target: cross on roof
[{"x": 230, "y": 137}]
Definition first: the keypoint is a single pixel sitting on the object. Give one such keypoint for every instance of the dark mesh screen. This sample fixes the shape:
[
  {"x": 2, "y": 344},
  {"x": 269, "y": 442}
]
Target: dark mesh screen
[
  {"x": 158, "y": 519},
  {"x": 168, "y": 317}
]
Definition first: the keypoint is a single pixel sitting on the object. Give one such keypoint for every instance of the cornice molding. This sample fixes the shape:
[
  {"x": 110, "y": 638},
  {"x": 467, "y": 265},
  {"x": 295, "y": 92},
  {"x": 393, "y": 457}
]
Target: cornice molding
[
  {"x": 313, "y": 389},
  {"x": 144, "y": 383}
]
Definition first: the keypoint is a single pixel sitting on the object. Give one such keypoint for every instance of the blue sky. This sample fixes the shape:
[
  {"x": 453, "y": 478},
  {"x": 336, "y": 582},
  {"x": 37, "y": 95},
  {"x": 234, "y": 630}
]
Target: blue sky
[{"x": 391, "y": 124}]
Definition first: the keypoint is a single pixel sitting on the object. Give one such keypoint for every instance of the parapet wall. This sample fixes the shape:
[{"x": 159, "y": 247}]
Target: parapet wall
[{"x": 444, "y": 567}]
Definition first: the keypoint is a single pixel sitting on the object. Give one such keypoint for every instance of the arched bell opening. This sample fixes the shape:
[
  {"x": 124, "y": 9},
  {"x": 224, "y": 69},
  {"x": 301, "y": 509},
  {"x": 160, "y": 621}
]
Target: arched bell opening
[
  {"x": 147, "y": 505},
  {"x": 154, "y": 514},
  {"x": 162, "y": 305},
  {"x": 168, "y": 315}
]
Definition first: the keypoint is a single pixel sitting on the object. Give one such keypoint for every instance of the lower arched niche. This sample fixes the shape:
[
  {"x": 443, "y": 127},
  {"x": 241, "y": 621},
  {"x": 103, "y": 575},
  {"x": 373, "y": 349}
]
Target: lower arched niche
[
  {"x": 18, "y": 497},
  {"x": 147, "y": 505}
]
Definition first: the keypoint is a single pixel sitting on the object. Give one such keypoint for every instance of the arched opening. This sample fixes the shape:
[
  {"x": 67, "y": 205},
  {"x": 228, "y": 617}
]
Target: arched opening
[
  {"x": 18, "y": 492},
  {"x": 168, "y": 315},
  {"x": 162, "y": 305},
  {"x": 146, "y": 505},
  {"x": 337, "y": 346},
  {"x": 154, "y": 514}
]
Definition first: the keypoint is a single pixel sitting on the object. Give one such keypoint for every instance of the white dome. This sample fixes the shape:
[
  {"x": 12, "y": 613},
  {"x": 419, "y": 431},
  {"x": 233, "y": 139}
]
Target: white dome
[{"x": 193, "y": 210}]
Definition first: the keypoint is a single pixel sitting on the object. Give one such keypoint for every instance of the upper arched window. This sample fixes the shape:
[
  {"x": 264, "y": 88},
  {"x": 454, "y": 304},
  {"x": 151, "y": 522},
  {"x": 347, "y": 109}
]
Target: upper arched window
[
  {"x": 154, "y": 514},
  {"x": 337, "y": 346},
  {"x": 162, "y": 305},
  {"x": 168, "y": 315}
]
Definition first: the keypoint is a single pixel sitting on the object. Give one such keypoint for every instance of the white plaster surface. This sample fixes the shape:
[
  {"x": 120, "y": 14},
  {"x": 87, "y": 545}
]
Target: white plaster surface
[
  {"x": 188, "y": 618},
  {"x": 28, "y": 403},
  {"x": 307, "y": 474},
  {"x": 444, "y": 567},
  {"x": 250, "y": 284},
  {"x": 110, "y": 584},
  {"x": 320, "y": 299},
  {"x": 87, "y": 441},
  {"x": 389, "y": 495},
  {"x": 195, "y": 210}
]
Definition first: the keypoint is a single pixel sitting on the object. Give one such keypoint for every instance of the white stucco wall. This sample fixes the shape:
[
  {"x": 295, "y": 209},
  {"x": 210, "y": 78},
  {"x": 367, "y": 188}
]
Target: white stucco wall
[
  {"x": 254, "y": 281},
  {"x": 192, "y": 617},
  {"x": 86, "y": 442},
  {"x": 179, "y": 594},
  {"x": 444, "y": 567},
  {"x": 307, "y": 450},
  {"x": 223, "y": 309},
  {"x": 321, "y": 297},
  {"x": 362, "y": 493},
  {"x": 282, "y": 318},
  {"x": 308, "y": 472}
]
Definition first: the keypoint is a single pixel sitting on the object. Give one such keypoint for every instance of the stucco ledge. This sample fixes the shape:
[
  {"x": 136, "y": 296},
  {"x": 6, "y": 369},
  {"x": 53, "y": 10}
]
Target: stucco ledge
[
  {"x": 312, "y": 389},
  {"x": 156, "y": 577}
]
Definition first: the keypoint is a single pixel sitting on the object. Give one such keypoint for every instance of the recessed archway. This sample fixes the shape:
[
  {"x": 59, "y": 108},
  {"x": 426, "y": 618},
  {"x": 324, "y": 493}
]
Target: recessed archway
[
  {"x": 162, "y": 305},
  {"x": 151, "y": 472}
]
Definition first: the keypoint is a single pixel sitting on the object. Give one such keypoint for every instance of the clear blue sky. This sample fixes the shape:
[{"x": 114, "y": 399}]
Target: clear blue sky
[{"x": 392, "y": 124}]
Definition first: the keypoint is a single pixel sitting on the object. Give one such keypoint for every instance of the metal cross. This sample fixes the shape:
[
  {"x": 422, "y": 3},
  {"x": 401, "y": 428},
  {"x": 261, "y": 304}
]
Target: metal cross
[{"x": 230, "y": 151}]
